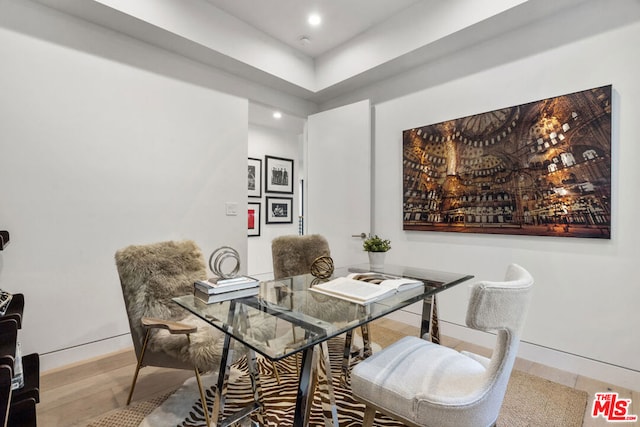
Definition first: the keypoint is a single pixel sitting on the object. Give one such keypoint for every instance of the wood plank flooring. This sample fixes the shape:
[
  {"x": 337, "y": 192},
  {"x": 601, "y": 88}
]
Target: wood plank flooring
[{"x": 74, "y": 395}]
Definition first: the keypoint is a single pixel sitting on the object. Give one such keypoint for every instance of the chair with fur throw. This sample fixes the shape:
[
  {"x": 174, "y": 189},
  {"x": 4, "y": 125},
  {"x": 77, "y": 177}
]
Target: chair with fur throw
[
  {"x": 163, "y": 334},
  {"x": 293, "y": 255}
]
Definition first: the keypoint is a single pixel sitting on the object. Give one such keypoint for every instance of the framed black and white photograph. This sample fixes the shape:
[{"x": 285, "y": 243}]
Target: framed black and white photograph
[
  {"x": 279, "y": 210},
  {"x": 254, "y": 178},
  {"x": 253, "y": 217},
  {"x": 278, "y": 175}
]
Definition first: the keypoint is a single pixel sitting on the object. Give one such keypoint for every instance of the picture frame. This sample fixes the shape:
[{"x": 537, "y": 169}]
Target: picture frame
[
  {"x": 254, "y": 177},
  {"x": 278, "y": 175},
  {"x": 541, "y": 168},
  {"x": 253, "y": 218},
  {"x": 279, "y": 210}
]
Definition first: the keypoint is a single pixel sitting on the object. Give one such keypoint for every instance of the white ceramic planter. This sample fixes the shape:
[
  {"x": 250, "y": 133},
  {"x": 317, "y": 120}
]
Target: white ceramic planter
[{"x": 376, "y": 260}]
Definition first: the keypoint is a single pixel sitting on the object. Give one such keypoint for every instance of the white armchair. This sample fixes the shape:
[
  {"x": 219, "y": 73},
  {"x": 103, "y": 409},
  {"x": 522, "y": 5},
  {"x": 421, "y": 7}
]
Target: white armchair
[{"x": 428, "y": 385}]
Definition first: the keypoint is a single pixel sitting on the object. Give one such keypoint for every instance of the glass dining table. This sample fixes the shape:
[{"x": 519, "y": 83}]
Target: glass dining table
[{"x": 288, "y": 318}]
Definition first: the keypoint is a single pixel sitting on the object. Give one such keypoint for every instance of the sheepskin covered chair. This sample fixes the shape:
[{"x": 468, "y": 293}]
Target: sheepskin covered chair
[
  {"x": 424, "y": 384},
  {"x": 293, "y": 255},
  {"x": 164, "y": 333}
]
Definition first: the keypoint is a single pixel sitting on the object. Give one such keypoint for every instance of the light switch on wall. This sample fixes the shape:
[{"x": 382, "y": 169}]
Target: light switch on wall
[{"x": 231, "y": 208}]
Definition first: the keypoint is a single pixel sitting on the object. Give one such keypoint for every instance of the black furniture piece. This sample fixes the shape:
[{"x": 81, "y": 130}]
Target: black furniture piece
[
  {"x": 17, "y": 407},
  {"x": 4, "y": 239}
]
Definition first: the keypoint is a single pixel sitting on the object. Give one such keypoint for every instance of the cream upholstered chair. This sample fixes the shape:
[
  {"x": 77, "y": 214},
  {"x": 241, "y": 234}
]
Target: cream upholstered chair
[
  {"x": 164, "y": 334},
  {"x": 425, "y": 384}
]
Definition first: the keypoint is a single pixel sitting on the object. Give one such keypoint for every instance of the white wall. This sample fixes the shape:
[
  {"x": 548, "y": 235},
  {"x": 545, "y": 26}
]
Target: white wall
[
  {"x": 587, "y": 290},
  {"x": 105, "y": 141},
  {"x": 96, "y": 155},
  {"x": 279, "y": 143}
]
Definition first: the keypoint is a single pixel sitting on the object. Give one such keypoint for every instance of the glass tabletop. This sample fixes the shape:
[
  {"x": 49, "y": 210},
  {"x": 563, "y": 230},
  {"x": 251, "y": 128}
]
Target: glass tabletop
[{"x": 287, "y": 317}]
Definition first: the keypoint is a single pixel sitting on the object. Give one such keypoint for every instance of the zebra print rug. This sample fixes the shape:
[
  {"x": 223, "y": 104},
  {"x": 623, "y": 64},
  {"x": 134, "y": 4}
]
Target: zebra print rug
[
  {"x": 530, "y": 401},
  {"x": 183, "y": 408}
]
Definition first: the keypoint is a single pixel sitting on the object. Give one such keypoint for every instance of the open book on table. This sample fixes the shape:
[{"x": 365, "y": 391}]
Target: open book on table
[{"x": 365, "y": 288}]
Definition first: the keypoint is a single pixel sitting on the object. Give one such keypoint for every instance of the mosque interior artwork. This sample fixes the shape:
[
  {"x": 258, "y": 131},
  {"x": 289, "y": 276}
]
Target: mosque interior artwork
[{"x": 541, "y": 168}]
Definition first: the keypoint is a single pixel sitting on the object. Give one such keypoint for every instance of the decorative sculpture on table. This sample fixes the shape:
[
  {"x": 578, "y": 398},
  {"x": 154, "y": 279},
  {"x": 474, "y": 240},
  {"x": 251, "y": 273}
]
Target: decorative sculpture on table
[
  {"x": 322, "y": 267},
  {"x": 218, "y": 258}
]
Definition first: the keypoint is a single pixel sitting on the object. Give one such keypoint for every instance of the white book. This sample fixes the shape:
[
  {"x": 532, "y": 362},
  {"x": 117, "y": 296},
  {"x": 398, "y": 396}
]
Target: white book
[
  {"x": 225, "y": 296},
  {"x": 365, "y": 288},
  {"x": 227, "y": 281},
  {"x": 212, "y": 286}
]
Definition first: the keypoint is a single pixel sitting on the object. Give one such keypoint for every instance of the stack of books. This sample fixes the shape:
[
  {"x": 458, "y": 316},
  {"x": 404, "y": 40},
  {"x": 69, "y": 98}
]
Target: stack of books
[{"x": 218, "y": 290}]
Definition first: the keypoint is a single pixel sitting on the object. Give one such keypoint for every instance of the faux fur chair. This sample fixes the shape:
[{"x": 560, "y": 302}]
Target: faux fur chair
[
  {"x": 424, "y": 384},
  {"x": 150, "y": 276},
  {"x": 293, "y": 255}
]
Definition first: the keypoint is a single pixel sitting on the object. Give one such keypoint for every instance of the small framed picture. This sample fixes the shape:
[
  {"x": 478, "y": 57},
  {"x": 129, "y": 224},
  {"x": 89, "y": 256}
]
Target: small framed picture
[
  {"x": 253, "y": 214},
  {"x": 254, "y": 178},
  {"x": 278, "y": 175},
  {"x": 279, "y": 210}
]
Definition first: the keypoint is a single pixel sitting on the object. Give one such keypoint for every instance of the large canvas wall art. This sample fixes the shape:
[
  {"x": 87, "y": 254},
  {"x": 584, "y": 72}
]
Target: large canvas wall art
[{"x": 542, "y": 168}]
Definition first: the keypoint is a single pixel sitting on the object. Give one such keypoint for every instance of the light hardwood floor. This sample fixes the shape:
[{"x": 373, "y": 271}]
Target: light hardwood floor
[{"x": 73, "y": 395}]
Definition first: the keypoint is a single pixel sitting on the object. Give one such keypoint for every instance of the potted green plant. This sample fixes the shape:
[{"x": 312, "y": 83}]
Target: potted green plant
[{"x": 376, "y": 247}]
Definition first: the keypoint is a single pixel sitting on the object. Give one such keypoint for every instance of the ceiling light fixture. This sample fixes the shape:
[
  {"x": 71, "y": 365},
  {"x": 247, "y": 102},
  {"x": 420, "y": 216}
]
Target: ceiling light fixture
[
  {"x": 277, "y": 115},
  {"x": 314, "y": 19}
]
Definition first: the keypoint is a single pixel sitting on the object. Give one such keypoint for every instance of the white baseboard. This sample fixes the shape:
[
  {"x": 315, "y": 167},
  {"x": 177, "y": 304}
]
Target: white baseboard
[
  {"x": 576, "y": 364},
  {"x": 69, "y": 356},
  {"x": 601, "y": 371}
]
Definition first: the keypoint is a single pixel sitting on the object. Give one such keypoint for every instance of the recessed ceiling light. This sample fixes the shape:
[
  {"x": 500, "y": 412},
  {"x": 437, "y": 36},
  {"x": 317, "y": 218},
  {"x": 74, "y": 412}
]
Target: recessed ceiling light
[
  {"x": 314, "y": 19},
  {"x": 277, "y": 115}
]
